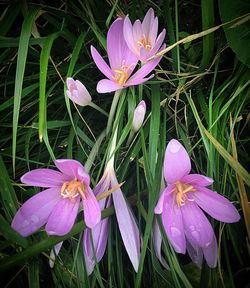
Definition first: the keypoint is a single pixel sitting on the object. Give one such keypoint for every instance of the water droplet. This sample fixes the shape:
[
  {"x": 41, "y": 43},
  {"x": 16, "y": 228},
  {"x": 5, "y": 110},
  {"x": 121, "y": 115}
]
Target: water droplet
[
  {"x": 25, "y": 223},
  {"x": 34, "y": 218},
  {"x": 175, "y": 231},
  {"x": 196, "y": 235}
]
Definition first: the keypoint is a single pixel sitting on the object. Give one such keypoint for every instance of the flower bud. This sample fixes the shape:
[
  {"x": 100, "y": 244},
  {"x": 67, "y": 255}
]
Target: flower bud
[
  {"x": 139, "y": 115},
  {"x": 77, "y": 92}
]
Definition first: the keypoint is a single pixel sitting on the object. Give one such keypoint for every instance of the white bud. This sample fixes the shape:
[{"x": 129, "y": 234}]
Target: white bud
[{"x": 139, "y": 115}]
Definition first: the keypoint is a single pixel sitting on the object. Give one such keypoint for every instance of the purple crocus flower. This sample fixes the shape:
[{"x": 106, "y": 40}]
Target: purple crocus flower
[
  {"x": 122, "y": 62},
  {"x": 77, "y": 92},
  {"x": 141, "y": 38},
  {"x": 58, "y": 205},
  {"x": 179, "y": 205},
  {"x": 126, "y": 222}
]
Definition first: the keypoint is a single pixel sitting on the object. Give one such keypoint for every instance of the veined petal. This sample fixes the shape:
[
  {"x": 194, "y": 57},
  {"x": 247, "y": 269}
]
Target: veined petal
[
  {"x": 137, "y": 30},
  {"x": 210, "y": 253},
  {"x": 177, "y": 163},
  {"x": 152, "y": 34},
  {"x": 158, "y": 43},
  {"x": 106, "y": 86},
  {"x": 73, "y": 169},
  {"x": 63, "y": 216},
  {"x": 165, "y": 193},
  {"x": 127, "y": 226},
  {"x": 195, "y": 253},
  {"x": 100, "y": 63},
  {"x": 84, "y": 97},
  {"x": 133, "y": 82},
  {"x": 44, "y": 178},
  {"x": 116, "y": 44},
  {"x": 92, "y": 212},
  {"x": 35, "y": 212},
  {"x": 197, "y": 180},
  {"x": 173, "y": 224},
  {"x": 128, "y": 35},
  {"x": 197, "y": 228},
  {"x": 148, "y": 21},
  {"x": 216, "y": 205},
  {"x": 157, "y": 241}
]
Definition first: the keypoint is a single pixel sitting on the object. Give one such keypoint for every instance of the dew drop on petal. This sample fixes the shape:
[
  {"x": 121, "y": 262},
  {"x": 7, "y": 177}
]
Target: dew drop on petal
[
  {"x": 196, "y": 235},
  {"x": 175, "y": 231},
  {"x": 25, "y": 223},
  {"x": 34, "y": 218}
]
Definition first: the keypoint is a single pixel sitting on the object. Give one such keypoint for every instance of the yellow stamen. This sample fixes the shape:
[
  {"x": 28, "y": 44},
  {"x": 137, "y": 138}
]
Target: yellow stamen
[
  {"x": 121, "y": 74},
  {"x": 181, "y": 189},
  {"x": 72, "y": 189},
  {"x": 143, "y": 42}
]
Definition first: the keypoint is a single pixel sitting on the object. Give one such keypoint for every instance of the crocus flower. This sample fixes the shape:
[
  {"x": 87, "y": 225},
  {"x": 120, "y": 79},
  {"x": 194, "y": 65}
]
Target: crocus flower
[
  {"x": 139, "y": 115},
  {"x": 180, "y": 207},
  {"x": 122, "y": 62},
  {"x": 126, "y": 222},
  {"x": 58, "y": 205},
  {"x": 141, "y": 38},
  {"x": 77, "y": 92}
]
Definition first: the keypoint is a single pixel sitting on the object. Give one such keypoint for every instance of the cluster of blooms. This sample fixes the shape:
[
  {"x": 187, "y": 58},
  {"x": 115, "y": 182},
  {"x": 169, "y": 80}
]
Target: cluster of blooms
[{"x": 184, "y": 222}]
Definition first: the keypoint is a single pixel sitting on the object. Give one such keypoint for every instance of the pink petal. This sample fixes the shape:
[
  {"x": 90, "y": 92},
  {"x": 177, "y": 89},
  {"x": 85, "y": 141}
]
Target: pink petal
[
  {"x": 137, "y": 30},
  {"x": 216, "y": 205},
  {"x": 127, "y": 226},
  {"x": 116, "y": 44},
  {"x": 100, "y": 63},
  {"x": 63, "y": 216},
  {"x": 173, "y": 224},
  {"x": 34, "y": 213},
  {"x": 106, "y": 86},
  {"x": 83, "y": 94},
  {"x": 197, "y": 180},
  {"x": 165, "y": 193},
  {"x": 128, "y": 35},
  {"x": 91, "y": 209},
  {"x": 153, "y": 31},
  {"x": 157, "y": 241},
  {"x": 210, "y": 253},
  {"x": 158, "y": 43},
  {"x": 133, "y": 82},
  {"x": 198, "y": 230},
  {"x": 195, "y": 253},
  {"x": 177, "y": 163},
  {"x": 69, "y": 81},
  {"x": 44, "y": 178},
  {"x": 73, "y": 169},
  {"x": 148, "y": 21}
]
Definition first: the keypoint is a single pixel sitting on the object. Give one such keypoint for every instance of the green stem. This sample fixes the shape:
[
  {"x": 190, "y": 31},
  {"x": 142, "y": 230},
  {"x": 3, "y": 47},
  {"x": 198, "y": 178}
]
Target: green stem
[{"x": 112, "y": 110}]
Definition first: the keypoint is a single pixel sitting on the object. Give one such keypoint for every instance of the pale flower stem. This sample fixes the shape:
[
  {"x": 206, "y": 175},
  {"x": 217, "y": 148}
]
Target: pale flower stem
[
  {"x": 130, "y": 137},
  {"x": 96, "y": 107},
  {"x": 94, "y": 152},
  {"x": 111, "y": 154},
  {"x": 112, "y": 110}
]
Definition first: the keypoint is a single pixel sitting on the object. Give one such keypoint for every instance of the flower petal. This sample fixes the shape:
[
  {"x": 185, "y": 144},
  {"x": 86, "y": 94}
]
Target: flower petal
[
  {"x": 195, "y": 253},
  {"x": 197, "y": 180},
  {"x": 34, "y": 213},
  {"x": 158, "y": 43},
  {"x": 198, "y": 230},
  {"x": 210, "y": 253},
  {"x": 153, "y": 31},
  {"x": 100, "y": 63},
  {"x": 177, "y": 163},
  {"x": 73, "y": 169},
  {"x": 133, "y": 82},
  {"x": 84, "y": 97},
  {"x": 173, "y": 224},
  {"x": 157, "y": 241},
  {"x": 128, "y": 35},
  {"x": 165, "y": 193},
  {"x": 63, "y": 216},
  {"x": 106, "y": 86},
  {"x": 127, "y": 226},
  {"x": 92, "y": 212},
  {"x": 216, "y": 205},
  {"x": 44, "y": 178},
  {"x": 53, "y": 253},
  {"x": 148, "y": 22}
]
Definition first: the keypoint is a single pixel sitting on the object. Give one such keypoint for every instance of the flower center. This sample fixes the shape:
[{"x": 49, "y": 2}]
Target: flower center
[
  {"x": 181, "y": 189},
  {"x": 72, "y": 189},
  {"x": 143, "y": 42},
  {"x": 121, "y": 75}
]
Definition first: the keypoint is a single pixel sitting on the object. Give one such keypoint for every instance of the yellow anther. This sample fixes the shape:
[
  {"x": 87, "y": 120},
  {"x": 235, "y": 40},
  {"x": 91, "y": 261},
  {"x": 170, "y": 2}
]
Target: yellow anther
[
  {"x": 72, "y": 189},
  {"x": 181, "y": 189},
  {"x": 143, "y": 42}
]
